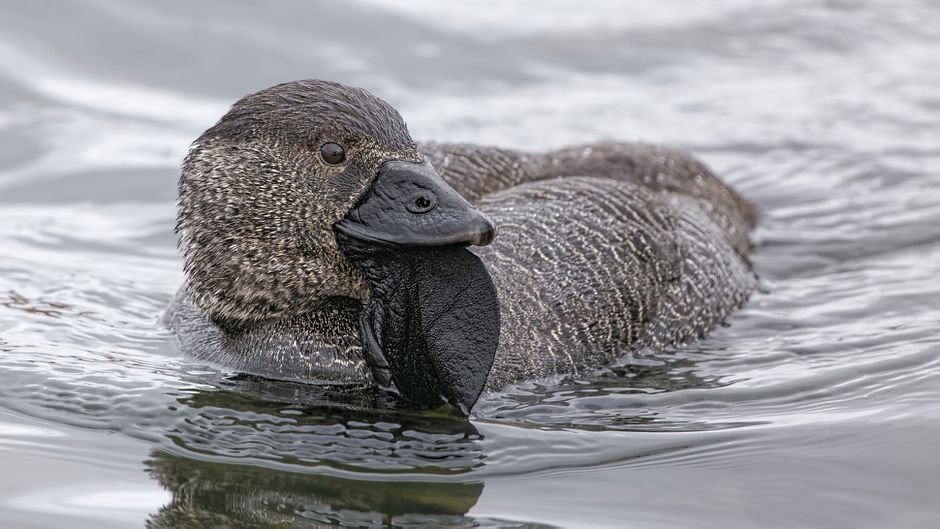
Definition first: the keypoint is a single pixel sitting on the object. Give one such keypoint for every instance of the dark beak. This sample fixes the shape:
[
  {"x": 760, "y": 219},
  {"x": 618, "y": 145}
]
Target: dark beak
[{"x": 409, "y": 205}]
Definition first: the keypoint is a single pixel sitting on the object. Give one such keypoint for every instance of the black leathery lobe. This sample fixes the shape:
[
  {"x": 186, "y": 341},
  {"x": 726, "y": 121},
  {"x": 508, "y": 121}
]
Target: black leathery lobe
[{"x": 431, "y": 328}]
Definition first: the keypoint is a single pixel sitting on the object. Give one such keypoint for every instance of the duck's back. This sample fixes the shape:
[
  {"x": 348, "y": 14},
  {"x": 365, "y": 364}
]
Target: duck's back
[{"x": 602, "y": 251}]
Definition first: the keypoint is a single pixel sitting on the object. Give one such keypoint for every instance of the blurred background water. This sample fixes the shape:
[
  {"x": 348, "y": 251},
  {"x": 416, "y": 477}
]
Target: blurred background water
[{"x": 818, "y": 405}]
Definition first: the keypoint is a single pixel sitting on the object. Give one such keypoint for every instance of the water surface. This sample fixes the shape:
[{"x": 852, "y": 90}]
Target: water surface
[{"x": 817, "y": 405}]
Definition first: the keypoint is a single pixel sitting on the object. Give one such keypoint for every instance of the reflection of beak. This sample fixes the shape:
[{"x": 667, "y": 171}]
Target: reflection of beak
[{"x": 410, "y": 205}]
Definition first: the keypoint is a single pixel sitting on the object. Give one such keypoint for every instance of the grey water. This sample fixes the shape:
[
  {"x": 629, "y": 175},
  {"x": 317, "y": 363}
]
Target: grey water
[{"x": 816, "y": 405}]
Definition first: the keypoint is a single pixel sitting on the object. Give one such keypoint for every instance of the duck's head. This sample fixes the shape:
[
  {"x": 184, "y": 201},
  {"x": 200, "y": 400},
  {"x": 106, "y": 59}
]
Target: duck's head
[{"x": 309, "y": 191}]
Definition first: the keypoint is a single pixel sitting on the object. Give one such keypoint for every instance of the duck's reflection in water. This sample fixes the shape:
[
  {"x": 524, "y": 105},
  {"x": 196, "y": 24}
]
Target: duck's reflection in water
[
  {"x": 259, "y": 453},
  {"x": 207, "y": 494},
  {"x": 230, "y": 440}
]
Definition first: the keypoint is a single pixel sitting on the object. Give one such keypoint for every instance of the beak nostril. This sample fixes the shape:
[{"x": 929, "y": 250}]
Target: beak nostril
[{"x": 423, "y": 202}]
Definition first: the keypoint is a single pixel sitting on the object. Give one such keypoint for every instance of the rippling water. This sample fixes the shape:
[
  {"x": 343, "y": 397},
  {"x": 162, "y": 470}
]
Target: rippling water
[{"x": 818, "y": 405}]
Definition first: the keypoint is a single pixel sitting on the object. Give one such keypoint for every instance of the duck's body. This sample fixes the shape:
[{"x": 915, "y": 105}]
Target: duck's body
[{"x": 602, "y": 250}]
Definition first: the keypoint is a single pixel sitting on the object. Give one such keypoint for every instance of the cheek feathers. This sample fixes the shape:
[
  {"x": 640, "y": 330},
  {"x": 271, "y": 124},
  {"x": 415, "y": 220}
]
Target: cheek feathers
[{"x": 257, "y": 235}]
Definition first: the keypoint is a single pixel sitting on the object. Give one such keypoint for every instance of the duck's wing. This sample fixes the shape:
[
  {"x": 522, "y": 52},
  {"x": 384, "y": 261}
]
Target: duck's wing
[
  {"x": 479, "y": 170},
  {"x": 476, "y": 171},
  {"x": 602, "y": 249},
  {"x": 583, "y": 266},
  {"x": 668, "y": 172}
]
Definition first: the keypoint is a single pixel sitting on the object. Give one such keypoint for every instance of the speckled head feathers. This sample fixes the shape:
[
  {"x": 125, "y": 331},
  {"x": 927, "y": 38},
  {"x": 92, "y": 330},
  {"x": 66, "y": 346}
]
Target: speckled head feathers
[{"x": 257, "y": 202}]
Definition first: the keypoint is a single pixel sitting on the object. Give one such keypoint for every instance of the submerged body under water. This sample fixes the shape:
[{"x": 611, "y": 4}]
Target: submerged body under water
[{"x": 817, "y": 404}]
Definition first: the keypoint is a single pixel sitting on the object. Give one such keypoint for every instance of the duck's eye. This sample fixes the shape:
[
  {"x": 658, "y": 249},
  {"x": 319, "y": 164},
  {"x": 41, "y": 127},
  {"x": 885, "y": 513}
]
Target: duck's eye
[{"x": 332, "y": 153}]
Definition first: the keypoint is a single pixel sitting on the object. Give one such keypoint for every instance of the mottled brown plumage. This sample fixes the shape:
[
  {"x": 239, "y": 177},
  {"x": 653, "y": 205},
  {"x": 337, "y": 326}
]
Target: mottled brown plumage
[{"x": 602, "y": 249}]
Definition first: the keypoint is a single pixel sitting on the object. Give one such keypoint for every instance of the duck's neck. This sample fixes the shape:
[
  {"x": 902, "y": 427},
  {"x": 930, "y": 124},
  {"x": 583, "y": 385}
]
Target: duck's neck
[{"x": 320, "y": 345}]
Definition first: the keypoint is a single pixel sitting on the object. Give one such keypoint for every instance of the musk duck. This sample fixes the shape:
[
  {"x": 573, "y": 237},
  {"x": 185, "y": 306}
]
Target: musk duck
[{"x": 322, "y": 244}]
